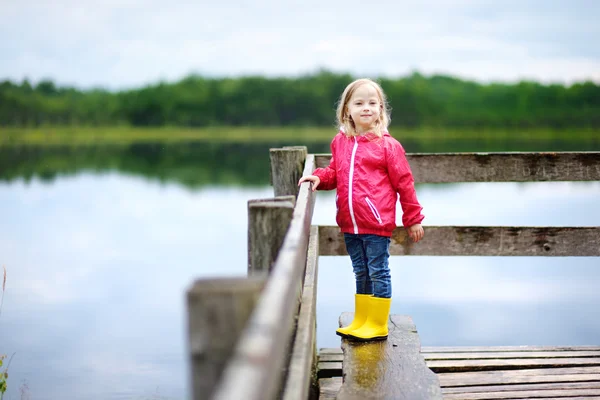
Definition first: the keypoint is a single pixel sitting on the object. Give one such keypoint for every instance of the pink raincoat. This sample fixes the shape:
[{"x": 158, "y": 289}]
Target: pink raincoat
[{"x": 369, "y": 173}]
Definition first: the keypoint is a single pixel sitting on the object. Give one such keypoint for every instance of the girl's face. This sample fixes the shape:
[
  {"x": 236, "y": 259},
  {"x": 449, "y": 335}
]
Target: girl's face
[{"x": 364, "y": 108}]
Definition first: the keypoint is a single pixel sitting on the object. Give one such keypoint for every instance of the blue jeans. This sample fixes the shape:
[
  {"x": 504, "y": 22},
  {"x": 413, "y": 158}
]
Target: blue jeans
[{"x": 370, "y": 260}]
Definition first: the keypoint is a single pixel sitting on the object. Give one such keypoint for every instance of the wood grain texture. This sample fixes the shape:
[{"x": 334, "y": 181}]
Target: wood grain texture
[
  {"x": 498, "y": 349},
  {"x": 218, "y": 310},
  {"x": 509, "y": 388},
  {"x": 287, "y": 165},
  {"x": 268, "y": 222},
  {"x": 329, "y": 388},
  {"x": 489, "y": 355},
  {"x": 302, "y": 366},
  {"x": 256, "y": 370},
  {"x": 480, "y": 241},
  {"x": 504, "y": 364},
  {"x": 539, "y": 375},
  {"x": 524, "y": 394},
  {"x": 389, "y": 369},
  {"x": 513, "y": 355},
  {"x": 499, "y": 167}
]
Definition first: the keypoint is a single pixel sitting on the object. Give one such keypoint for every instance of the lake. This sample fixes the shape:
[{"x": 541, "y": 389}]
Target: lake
[{"x": 100, "y": 245}]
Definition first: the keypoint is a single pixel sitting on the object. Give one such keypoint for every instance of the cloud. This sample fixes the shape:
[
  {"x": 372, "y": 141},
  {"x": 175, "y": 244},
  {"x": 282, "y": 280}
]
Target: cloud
[{"x": 129, "y": 43}]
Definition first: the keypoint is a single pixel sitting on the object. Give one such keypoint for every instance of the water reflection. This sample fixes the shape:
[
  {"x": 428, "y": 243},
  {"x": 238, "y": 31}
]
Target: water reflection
[
  {"x": 98, "y": 265},
  {"x": 199, "y": 163}
]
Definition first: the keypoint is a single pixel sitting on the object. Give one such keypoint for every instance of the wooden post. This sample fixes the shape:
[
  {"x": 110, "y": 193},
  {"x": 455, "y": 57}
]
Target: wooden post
[
  {"x": 268, "y": 222},
  {"x": 287, "y": 165},
  {"x": 302, "y": 371},
  {"x": 218, "y": 310}
]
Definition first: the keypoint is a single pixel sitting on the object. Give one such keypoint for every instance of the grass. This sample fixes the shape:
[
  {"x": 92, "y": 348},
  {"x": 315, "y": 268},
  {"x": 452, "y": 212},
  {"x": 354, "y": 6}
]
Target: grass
[
  {"x": 3, "y": 373},
  {"x": 82, "y": 136}
]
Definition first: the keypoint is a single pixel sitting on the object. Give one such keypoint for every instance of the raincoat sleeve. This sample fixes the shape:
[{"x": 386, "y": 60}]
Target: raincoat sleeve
[
  {"x": 402, "y": 179},
  {"x": 328, "y": 175}
]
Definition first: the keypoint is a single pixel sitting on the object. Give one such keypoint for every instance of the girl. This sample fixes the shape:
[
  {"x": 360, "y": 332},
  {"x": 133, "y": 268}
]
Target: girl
[{"x": 369, "y": 170}]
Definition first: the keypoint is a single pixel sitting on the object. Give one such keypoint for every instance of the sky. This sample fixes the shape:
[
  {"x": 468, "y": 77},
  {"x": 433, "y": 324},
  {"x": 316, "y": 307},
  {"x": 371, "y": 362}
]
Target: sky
[{"x": 119, "y": 44}]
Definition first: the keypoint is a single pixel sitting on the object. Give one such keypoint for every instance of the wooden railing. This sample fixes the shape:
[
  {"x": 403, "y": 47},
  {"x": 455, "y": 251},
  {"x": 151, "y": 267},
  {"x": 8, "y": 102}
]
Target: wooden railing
[
  {"x": 274, "y": 355},
  {"x": 254, "y": 337}
]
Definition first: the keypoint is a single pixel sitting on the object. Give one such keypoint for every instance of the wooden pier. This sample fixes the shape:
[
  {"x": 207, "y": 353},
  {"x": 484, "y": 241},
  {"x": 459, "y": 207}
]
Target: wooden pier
[
  {"x": 254, "y": 337},
  {"x": 475, "y": 373}
]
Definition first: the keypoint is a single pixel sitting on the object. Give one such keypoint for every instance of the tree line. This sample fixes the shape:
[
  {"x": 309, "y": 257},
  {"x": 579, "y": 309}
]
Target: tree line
[{"x": 310, "y": 100}]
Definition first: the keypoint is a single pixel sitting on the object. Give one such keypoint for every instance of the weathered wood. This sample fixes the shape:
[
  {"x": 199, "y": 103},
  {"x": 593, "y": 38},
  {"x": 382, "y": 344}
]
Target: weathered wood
[
  {"x": 509, "y": 388},
  {"x": 330, "y": 350},
  {"x": 489, "y": 365},
  {"x": 497, "y": 349},
  {"x": 389, "y": 369},
  {"x": 329, "y": 388},
  {"x": 524, "y": 394},
  {"x": 511, "y": 355},
  {"x": 481, "y": 241},
  {"x": 330, "y": 369},
  {"x": 287, "y": 165},
  {"x": 572, "y": 398},
  {"x": 268, "y": 222},
  {"x": 499, "y": 167},
  {"x": 302, "y": 367},
  {"x": 255, "y": 369},
  {"x": 218, "y": 310},
  {"x": 336, "y": 357},
  {"x": 539, "y": 375},
  {"x": 487, "y": 355}
]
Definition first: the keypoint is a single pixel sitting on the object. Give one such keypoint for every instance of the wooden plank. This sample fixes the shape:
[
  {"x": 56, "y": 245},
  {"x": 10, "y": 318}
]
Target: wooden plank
[
  {"x": 287, "y": 165},
  {"x": 499, "y": 167},
  {"x": 338, "y": 357},
  {"x": 302, "y": 362},
  {"x": 488, "y": 365},
  {"x": 574, "y": 398},
  {"x": 268, "y": 222},
  {"x": 218, "y": 310},
  {"x": 486, "y": 355},
  {"x": 508, "y": 388},
  {"x": 510, "y": 355},
  {"x": 495, "y": 349},
  {"x": 262, "y": 351},
  {"x": 480, "y": 241},
  {"x": 325, "y": 351},
  {"x": 523, "y": 394},
  {"x": 537, "y": 375},
  {"x": 332, "y": 366},
  {"x": 329, "y": 369},
  {"x": 389, "y": 369},
  {"x": 330, "y": 350},
  {"x": 329, "y": 388}
]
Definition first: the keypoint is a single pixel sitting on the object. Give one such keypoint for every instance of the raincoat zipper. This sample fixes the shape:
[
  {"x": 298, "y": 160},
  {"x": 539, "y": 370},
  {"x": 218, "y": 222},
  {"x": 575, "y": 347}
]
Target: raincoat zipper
[{"x": 350, "y": 186}]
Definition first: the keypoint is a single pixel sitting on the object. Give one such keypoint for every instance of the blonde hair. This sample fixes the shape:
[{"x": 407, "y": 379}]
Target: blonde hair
[{"x": 343, "y": 117}]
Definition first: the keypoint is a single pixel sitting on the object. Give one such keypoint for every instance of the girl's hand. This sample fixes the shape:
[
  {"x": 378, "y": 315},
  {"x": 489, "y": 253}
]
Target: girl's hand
[
  {"x": 312, "y": 178},
  {"x": 415, "y": 232}
]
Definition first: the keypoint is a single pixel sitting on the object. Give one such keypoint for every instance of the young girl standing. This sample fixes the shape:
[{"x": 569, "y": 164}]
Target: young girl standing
[{"x": 369, "y": 170}]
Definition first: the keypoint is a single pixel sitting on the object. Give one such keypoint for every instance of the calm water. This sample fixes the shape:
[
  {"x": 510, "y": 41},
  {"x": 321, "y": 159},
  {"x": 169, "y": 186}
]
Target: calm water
[{"x": 99, "y": 258}]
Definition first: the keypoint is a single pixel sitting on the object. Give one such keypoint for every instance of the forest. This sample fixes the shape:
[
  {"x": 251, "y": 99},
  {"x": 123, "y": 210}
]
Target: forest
[{"x": 310, "y": 100}]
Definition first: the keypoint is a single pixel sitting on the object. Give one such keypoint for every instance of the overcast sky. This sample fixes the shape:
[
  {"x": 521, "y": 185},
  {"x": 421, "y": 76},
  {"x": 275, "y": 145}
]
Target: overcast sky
[{"x": 128, "y": 43}]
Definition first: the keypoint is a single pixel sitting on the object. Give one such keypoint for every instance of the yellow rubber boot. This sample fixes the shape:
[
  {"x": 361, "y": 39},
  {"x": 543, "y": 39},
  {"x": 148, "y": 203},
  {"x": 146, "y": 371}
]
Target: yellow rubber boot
[
  {"x": 376, "y": 325},
  {"x": 361, "y": 310}
]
